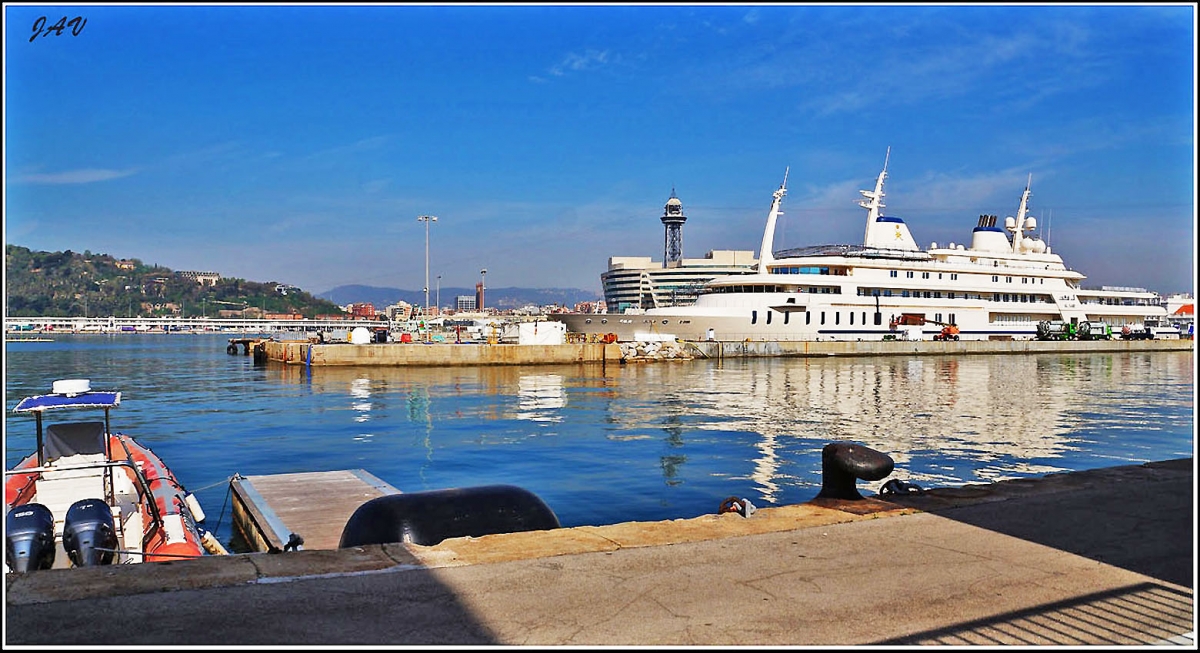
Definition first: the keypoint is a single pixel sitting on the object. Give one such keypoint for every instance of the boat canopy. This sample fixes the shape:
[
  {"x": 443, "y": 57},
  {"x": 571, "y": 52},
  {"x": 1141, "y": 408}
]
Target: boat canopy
[{"x": 55, "y": 401}]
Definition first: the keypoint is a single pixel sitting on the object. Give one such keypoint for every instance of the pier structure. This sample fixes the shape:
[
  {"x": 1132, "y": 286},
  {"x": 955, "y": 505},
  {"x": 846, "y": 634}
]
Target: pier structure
[
  {"x": 1102, "y": 557},
  {"x": 301, "y": 510},
  {"x": 313, "y": 354}
]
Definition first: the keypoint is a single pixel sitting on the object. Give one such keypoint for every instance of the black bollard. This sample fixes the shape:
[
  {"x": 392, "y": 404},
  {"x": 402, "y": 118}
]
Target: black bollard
[{"x": 843, "y": 463}]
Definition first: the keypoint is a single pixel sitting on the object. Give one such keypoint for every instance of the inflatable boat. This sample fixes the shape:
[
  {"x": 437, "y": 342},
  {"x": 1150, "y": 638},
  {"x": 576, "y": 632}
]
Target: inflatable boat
[{"x": 89, "y": 497}]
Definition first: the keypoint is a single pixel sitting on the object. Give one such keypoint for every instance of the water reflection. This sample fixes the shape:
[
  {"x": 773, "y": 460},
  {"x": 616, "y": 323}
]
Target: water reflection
[
  {"x": 602, "y": 444},
  {"x": 360, "y": 391},
  {"x": 540, "y": 396},
  {"x": 1009, "y": 416}
]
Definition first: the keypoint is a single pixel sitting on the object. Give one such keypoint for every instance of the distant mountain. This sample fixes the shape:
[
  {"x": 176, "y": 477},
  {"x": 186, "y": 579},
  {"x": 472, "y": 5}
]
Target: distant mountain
[{"x": 499, "y": 298}]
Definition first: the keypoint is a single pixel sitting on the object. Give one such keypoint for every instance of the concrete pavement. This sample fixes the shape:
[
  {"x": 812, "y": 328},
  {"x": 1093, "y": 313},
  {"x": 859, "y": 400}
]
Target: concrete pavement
[{"x": 1104, "y": 557}]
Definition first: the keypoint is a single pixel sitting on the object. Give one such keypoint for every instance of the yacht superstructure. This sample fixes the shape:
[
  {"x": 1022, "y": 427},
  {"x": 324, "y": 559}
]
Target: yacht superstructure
[{"x": 999, "y": 286}]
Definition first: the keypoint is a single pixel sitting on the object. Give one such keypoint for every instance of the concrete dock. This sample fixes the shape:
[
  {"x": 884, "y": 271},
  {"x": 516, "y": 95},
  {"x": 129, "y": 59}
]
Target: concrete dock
[
  {"x": 314, "y": 354},
  {"x": 270, "y": 510},
  {"x": 1103, "y": 557}
]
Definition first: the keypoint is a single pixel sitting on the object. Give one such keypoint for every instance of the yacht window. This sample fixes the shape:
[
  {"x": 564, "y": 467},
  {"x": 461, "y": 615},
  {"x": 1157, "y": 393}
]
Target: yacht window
[
  {"x": 893, "y": 273},
  {"x": 851, "y": 318},
  {"x": 768, "y": 317},
  {"x": 753, "y": 317},
  {"x": 787, "y": 317},
  {"x": 909, "y": 274},
  {"x": 822, "y": 317},
  {"x": 807, "y": 317}
]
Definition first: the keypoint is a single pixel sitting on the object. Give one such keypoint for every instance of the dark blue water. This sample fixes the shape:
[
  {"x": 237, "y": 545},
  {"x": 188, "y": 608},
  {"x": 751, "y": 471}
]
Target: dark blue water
[{"x": 643, "y": 442}]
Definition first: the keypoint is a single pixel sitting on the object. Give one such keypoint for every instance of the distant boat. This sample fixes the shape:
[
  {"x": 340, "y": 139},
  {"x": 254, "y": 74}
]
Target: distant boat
[
  {"x": 1000, "y": 287},
  {"x": 89, "y": 497}
]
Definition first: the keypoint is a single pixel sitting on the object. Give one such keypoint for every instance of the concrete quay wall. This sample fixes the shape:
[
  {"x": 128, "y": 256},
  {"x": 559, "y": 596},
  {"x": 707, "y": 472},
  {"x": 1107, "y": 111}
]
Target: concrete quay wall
[
  {"x": 751, "y": 349},
  {"x": 303, "y": 352}
]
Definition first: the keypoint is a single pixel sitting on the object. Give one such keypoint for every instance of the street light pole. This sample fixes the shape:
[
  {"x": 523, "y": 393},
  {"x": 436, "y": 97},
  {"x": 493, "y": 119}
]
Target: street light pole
[{"x": 427, "y": 219}]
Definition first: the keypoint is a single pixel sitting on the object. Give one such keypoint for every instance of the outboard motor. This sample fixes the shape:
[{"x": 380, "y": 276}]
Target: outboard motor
[
  {"x": 29, "y": 538},
  {"x": 89, "y": 534}
]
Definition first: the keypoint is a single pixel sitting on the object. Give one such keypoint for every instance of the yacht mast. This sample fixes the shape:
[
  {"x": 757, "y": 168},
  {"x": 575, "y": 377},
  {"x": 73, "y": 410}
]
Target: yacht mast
[
  {"x": 1022, "y": 210},
  {"x": 875, "y": 205},
  {"x": 765, "y": 252}
]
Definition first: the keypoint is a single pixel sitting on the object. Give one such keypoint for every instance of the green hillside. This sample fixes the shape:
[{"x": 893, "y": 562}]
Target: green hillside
[{"x": 71, "y": 284}]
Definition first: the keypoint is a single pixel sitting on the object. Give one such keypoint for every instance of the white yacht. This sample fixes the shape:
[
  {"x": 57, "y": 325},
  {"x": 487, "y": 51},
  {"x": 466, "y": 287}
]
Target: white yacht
[{"x": 999, "y": 287}]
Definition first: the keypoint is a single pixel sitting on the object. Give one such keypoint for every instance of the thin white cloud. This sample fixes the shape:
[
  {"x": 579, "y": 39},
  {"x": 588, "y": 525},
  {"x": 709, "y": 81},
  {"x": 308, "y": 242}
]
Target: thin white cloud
[
  {"x": 913, "y": 75},
  {"x": 81, "y": 176},
  {"x": 361, "y": 145},
  {"x": 589, "y": 60}
]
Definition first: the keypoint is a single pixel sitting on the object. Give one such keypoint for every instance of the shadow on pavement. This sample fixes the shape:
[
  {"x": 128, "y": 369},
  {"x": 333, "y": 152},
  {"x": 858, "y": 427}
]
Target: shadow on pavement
[
  {"x": 1138, "y": 517},
  {"x": 282, "y": 601},
  {"x": 1138, "y": 614}
]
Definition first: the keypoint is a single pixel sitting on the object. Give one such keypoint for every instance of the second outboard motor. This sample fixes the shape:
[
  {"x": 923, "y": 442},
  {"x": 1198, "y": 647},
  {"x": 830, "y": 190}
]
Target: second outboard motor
[
  {"x": 89, "y": 534},
  {"x": 29, "y": 538}
]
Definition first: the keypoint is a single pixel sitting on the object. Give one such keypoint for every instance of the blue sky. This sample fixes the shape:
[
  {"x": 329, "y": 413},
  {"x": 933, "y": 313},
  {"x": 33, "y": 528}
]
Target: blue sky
[{"x": 299, "y": 143}]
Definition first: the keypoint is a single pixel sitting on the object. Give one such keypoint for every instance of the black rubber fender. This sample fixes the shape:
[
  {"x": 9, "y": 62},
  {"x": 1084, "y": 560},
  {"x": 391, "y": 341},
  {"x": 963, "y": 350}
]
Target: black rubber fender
[{"x": 426, "y": 518}]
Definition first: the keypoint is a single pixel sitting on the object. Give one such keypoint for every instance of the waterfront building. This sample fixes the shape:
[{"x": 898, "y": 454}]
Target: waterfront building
[
  {"x": 202, "y": 278},
  {"x": 639, "y": 282},
  {"x": 1181, "y": 311}
]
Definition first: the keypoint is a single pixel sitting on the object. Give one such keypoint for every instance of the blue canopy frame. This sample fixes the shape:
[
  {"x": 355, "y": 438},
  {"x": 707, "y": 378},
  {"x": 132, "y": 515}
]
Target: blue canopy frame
[
  {"x": 82, "y": 400},
  {"x": 41, "y": 403}
]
